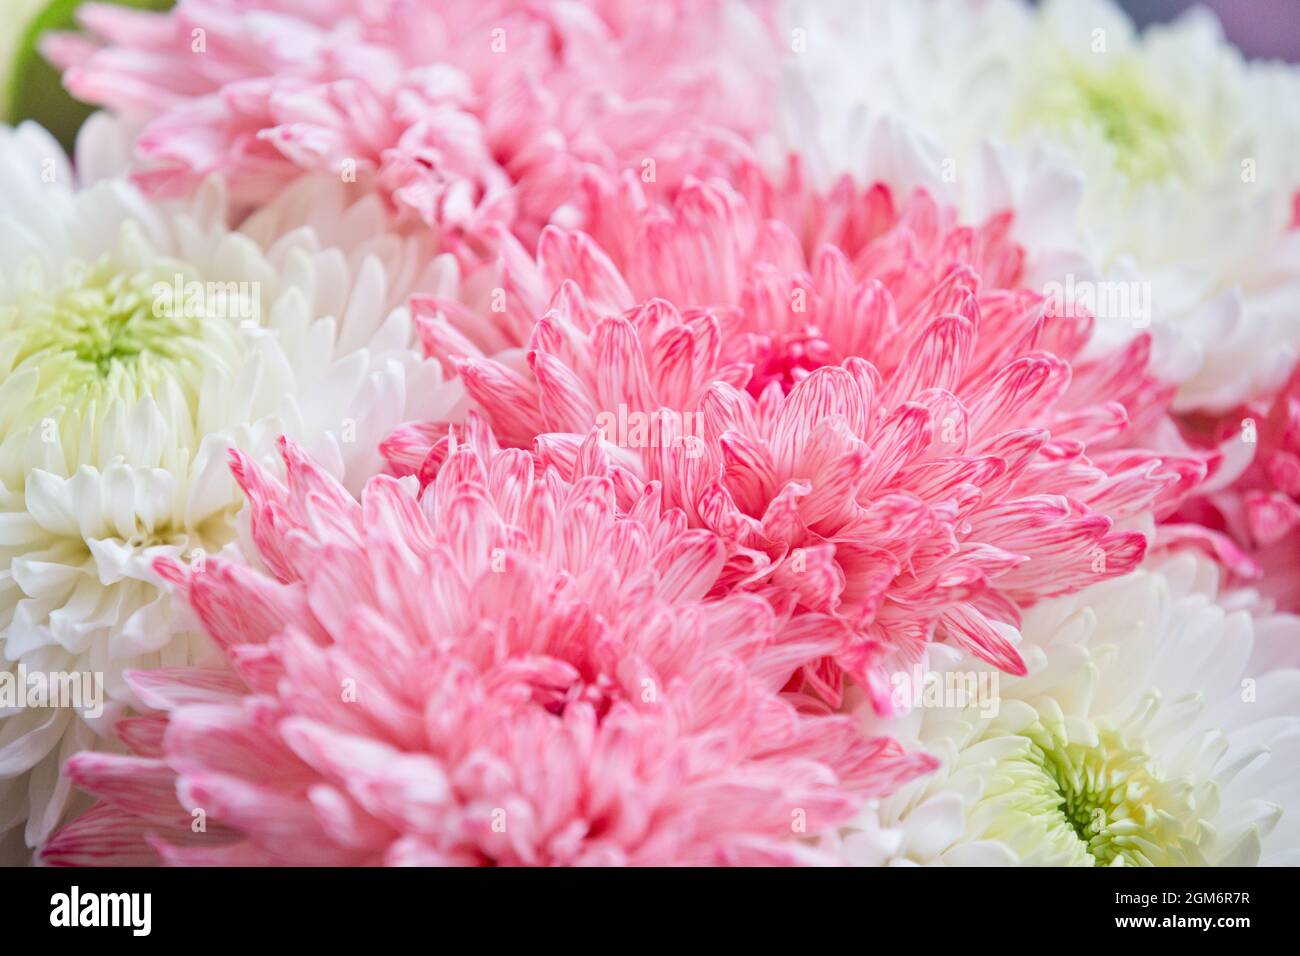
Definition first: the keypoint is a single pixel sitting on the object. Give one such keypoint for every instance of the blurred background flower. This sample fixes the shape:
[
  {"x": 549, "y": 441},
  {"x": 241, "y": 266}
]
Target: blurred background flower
[
  {"x": 1260, "y": 30},
  {"x": 29, "y": 86}
]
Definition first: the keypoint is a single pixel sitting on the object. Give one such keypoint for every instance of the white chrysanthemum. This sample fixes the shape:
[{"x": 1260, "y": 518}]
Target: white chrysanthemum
[
  {"x": 1159, "y": 724},
  {"x": 119, "y": 398},
  {"x": 1187, "y": 152}
]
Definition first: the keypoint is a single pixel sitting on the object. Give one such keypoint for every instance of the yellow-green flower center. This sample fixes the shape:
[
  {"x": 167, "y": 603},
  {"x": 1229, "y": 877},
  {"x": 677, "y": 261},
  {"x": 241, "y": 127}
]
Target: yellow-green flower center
[
  {"x": 1096, "y": 803},
  {"x": 106, "y": 334},
  {"x": 108, "y": 318},
  {"x": 1118, "y": 103}
]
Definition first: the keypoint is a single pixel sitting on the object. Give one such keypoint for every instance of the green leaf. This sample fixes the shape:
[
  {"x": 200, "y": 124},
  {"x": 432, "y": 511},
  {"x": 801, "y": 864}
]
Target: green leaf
[{"x": 35, "y": 89}]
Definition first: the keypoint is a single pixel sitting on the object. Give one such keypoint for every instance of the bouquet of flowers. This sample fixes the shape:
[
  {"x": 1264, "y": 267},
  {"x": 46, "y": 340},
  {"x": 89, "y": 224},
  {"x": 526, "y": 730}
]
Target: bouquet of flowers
[{"x": 491, "y": 432}]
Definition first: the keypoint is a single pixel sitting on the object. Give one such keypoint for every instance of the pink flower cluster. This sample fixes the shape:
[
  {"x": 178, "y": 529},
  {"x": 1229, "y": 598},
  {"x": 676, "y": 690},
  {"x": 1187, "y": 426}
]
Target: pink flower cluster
[
  {"x": 545, "y": 636},
  {"x": 414, "y": 670},
  {"x": 464, "y": 114}
]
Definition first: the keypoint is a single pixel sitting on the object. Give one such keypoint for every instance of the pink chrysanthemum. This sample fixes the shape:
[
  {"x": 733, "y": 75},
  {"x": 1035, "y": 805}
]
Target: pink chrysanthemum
[
  {"x": 890, "y": 432},
  {"x": 504, "y": 669},
  {"x": 1249, "y": 518},
  {"x": 464, "y": 113}
]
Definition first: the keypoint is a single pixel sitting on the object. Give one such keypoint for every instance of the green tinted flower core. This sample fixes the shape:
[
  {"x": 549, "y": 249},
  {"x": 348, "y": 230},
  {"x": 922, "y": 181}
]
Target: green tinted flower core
[
  {"x": 109, "y": 318},
  {"x": 1097, "y": 804},
  {"x": 1120, "y": 104},
  {"x": 112, "y": 334},
  {"x": 83, "y": 352}
]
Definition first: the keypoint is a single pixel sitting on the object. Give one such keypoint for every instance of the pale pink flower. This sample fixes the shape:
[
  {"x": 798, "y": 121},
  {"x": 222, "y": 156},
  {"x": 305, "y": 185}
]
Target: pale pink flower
[
  {"x": 503, "y": 669},
  {"x": 464, "y": 113},
  {"x": 1249, "y": 516},
  {"x": 892, "y": 434}
]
